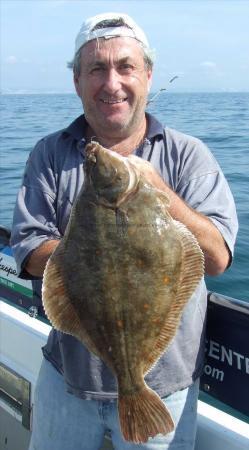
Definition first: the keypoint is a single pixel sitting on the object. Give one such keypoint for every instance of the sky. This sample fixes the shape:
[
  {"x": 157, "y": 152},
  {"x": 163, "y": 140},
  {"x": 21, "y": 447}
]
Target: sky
[{"x": 204, "y": 42}]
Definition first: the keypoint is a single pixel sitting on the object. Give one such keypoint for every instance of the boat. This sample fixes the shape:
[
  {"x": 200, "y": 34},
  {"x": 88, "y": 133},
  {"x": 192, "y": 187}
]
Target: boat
[{"x": 24, "y": 330}]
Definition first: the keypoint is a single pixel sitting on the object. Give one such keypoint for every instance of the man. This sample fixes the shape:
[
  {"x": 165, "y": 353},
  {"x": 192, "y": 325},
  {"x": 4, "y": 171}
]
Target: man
[{"x": 75, "y": 402}]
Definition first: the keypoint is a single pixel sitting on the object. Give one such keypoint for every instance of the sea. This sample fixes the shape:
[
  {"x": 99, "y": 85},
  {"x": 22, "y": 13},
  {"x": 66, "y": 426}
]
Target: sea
[{"x": 221, "y": 120}]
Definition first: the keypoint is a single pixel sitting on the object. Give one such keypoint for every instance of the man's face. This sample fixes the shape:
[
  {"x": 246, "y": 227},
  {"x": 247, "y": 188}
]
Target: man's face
[{"x": 113, "y": 85}]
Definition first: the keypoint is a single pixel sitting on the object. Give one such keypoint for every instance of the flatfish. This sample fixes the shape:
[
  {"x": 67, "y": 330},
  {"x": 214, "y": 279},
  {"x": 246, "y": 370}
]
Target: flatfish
[{"x": 119, "y": 280}]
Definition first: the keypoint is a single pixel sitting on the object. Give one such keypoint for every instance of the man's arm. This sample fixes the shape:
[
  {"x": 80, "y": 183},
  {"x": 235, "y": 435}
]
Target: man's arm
[
  {"x": 37, "y": 261},
  {"x": 215, "y": 251},
  {"x": 36, "y": 232}
]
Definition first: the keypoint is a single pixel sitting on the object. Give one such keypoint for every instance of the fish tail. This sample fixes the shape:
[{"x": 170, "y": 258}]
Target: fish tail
[{"x": 143, "y": 415}]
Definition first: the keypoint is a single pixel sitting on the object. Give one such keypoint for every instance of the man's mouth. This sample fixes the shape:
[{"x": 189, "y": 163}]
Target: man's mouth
[{"x": 112, "y": 101}]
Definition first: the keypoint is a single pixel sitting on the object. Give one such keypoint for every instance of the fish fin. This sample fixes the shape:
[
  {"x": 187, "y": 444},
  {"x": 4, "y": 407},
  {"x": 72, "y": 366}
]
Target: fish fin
[
  {"x": 58, "y": 308},
  {"x": 191, "y": 272},
  {"x": 143, "y": 415}
]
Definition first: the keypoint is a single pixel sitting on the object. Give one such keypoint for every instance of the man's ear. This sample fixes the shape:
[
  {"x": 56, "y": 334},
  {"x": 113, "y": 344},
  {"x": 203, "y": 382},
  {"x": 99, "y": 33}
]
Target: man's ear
[
  {"x": 76, "y": 84},
  {"x": 149, "y": 80}
]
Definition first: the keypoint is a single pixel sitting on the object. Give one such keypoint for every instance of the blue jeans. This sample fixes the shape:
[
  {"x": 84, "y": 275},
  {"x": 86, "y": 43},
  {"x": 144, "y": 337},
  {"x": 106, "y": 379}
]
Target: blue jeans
[{"x": 62, "y": 421}]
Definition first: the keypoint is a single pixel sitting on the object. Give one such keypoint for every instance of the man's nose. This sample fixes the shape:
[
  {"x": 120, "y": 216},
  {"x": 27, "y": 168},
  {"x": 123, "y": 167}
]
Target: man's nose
[{"x": 112, "y": 80}]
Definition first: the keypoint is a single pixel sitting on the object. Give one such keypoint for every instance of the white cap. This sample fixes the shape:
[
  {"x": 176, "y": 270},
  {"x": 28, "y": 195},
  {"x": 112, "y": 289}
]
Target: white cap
[{"x": 127, "y": 28}]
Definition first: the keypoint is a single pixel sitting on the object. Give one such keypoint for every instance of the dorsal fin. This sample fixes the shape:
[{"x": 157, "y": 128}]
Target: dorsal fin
[{"x": 191, "y": 273}]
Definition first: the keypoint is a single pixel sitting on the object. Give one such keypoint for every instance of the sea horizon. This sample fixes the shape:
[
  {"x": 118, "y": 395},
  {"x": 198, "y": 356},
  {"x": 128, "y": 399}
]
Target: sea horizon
[{"x": 166, "y": 92}]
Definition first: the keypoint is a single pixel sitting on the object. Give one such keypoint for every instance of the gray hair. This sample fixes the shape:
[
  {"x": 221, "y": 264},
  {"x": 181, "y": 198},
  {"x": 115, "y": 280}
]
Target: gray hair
[
  {"x": 76, "y": 61},
  {"x": 148, "y": 53}
]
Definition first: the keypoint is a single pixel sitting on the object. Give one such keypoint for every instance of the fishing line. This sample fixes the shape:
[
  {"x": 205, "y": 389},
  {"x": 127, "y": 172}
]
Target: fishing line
[{"x": 161, "y": 90}]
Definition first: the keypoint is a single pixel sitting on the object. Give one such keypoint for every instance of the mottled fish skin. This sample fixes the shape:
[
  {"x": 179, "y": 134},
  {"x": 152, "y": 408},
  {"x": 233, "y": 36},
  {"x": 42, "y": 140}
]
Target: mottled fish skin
[{"x": 119, "y": 280}]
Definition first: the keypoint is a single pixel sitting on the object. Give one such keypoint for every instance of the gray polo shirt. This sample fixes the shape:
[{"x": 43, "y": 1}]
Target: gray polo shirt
[{"x": 52, "y": 180}]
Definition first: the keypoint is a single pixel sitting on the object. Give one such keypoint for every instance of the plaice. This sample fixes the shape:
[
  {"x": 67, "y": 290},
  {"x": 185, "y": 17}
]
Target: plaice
[{"x": 119, "y": 280}]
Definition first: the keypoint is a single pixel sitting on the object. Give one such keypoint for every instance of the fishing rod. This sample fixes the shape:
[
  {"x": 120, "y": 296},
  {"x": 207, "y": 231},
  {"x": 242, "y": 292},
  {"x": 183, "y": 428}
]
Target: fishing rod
[{"x": 162, "y": 89}]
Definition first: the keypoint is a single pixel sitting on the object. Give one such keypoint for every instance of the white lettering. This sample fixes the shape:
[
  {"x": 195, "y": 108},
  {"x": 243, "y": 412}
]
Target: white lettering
[
  {"x": 247, "y": 365},
  {"x": 207, "y": 369},
  {"x": 228, "y": 355},
  {"x": 239, "y": 357},
  {"x": 218, "y": 374},
  {"x": 214, "y": 348},
  {"x": 214, "y": 372}
]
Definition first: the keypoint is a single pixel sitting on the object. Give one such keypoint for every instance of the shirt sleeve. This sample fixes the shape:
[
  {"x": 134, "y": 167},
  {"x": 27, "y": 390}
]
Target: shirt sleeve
[
  {"x": 206, "y": 190},
  {"x": 34, "y": 220}
]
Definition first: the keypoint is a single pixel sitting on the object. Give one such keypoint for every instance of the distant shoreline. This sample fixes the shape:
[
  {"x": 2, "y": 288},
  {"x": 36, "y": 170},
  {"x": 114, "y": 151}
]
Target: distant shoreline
[{"x": 152, "y": 93}]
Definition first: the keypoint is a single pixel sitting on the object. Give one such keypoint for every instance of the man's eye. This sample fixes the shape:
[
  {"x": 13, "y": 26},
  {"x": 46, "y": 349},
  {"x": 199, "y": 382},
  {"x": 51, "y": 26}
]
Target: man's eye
[
  {"x": 126, "y": 67},
  {"x": 96, "y": 69}
]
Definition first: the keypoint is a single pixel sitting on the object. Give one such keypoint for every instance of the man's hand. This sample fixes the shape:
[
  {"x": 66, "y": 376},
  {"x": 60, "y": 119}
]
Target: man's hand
[{"x": 215, "y": 251}]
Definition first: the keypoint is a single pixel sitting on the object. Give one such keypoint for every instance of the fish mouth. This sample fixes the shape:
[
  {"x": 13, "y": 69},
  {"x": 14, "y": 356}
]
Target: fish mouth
[
  {"x": 91, "y": 151},
  {"x": 93, "y": 148}
]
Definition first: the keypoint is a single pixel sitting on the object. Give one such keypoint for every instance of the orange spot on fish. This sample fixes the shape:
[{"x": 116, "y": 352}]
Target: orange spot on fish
[
  {"x": 166, "y": 280},
  {"x": 146, "y": 306},
  {"x": 120, "y": 323},
  {"x": 140, "y": 263},
  {"x": 157, "y": 321}
]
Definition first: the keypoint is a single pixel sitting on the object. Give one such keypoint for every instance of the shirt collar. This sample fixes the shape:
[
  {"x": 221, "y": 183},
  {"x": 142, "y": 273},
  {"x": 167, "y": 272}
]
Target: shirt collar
[
  {"x": 155, "y": 127},
  {"x": 77, "y": 128}
]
